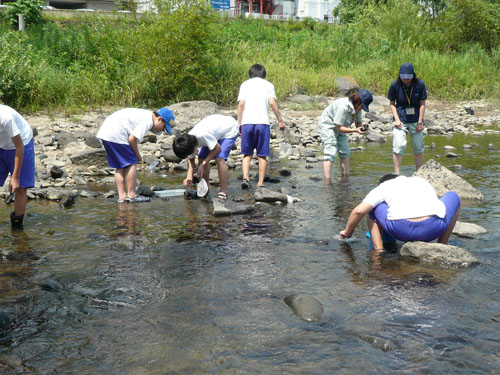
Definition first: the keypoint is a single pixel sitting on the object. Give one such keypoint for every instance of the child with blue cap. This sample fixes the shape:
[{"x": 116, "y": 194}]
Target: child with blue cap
[{"x": 120, "y": 134}]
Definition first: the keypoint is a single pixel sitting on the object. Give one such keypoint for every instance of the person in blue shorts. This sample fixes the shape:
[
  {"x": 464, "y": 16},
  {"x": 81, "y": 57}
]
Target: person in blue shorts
[
  {"x": 407, "y": 209},
  {"x": 407, "y": 95},
  {"x": 17, "y": 157},
  {"x": 120, "y": 134},
  {"x": 255, "y": 96},
  {"x": 216, "y": 135}
]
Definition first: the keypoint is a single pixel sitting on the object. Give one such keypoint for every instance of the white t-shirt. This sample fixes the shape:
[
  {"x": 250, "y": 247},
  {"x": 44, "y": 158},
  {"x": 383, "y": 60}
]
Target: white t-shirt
[
  {"x": 256, "y": 93},
  {"x": 212, "y": 128},
  {"x": 407, "y": 198},
  {"x": 12, "y": 124},
  {"x": 126, "y": 122}
]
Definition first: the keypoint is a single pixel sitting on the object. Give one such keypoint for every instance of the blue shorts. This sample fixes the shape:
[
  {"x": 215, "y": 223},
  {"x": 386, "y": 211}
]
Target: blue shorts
[
  {"x": 425, "y": 230},
  {"x": 7, "y": 160},
  {"x": 119, "y": 156},
  {"x": 255, "y": 136},
  {"x": 226, "y": 144}
]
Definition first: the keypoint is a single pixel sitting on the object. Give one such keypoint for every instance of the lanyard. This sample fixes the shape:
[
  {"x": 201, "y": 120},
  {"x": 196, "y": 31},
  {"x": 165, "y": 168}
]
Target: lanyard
[{"x": 411, "y": 93}]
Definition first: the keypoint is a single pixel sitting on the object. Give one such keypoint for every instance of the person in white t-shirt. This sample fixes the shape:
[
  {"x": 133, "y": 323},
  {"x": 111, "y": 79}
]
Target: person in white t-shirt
[
  {"x": 407, "y": 209},
  {"x": 215, "y": 135},
  {"x": 17, "y": 157},
  {"x": 254, "y": 99},
  {"x": 120, "y": 134}
]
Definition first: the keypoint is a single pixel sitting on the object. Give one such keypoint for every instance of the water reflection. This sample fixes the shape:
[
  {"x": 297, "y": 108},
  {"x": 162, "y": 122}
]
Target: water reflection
[{"x": 126, "y": 219}]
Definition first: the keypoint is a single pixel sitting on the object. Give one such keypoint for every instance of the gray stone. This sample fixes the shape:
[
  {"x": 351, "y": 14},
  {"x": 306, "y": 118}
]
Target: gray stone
[
  {"x": 79, "y": 180},
  {"x": 306, "y": 307},
  {"x": 285, "y": 172},
  {"x": 187, "y": 114},
  {"x": 443, "y": 255},
  {"x": 46, "y": 141},
  {"x": 312, "y": 160},
  {"x": 56, "y": 172},
  {"x": 468, "y": 229},
  {"x": 94, "y": 157},
  {"x": 67, "y": 200},
  {"x": 63, "y": 139},
  {"x": 55, "y": 194},
  {"x": 452, "y": 155},
  {"x": 372, "y": 136},
  {"x": 378, "y": 342},
  {"x": 93, "y": 141},
  {"x": 88, "y": 194},
  {"x": 300, "y": 99},
  {"x": 227, "y": 207},
  {"x": 346, "y": 85},
  {"x": 443, "y": 180},
  {"x": 266, "y": 195},
  {"x": 170, "y": 157},
  {"x": 145, "y": 191}
]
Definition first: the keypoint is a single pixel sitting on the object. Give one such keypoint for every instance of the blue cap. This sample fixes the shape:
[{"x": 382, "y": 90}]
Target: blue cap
[
  {"x": 366, "y": 98},
  {"x": 167, "y": 115},
  {"x": 406, "y": 71}
]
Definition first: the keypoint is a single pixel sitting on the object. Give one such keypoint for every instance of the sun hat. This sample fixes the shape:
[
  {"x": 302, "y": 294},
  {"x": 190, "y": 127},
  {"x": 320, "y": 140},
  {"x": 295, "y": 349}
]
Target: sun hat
[
  {"x": 406, "y": 71},
  {"x": 366, "y": 98},
  {"x": 167, "y": 115}
]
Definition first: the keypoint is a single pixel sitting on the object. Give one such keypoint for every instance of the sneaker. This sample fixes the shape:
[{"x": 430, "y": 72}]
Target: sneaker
[
  {"x": 122, "y": 200},
  {"x": 138, "y": 199},
  {"x": 245, "y": 184}
]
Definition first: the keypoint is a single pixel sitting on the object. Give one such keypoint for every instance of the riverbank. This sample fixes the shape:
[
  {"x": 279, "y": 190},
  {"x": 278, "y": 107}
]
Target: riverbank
[{"x": 70, "y": 159}]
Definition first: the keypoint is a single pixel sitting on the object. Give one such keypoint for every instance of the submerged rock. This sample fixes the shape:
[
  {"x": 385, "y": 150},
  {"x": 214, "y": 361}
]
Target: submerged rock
[
  {"x": 306, "y": 307},
  {"x": 444, "y": 180},
  {"x": 468, "y": 229},
  {"x": 227, "y": 207},
  {"x": 378, "y": 342},
  {"x": 443, "y": 255},
  {"x": 5, "y": 320},
  {"x": 51, "y": 285}
]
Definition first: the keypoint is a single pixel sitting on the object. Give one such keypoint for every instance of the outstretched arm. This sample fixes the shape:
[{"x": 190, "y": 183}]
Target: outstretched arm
[{"x": 354, "y": 218}]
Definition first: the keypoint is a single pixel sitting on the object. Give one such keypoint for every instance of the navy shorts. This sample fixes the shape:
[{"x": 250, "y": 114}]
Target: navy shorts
[
  {"x": 425, "y": 230},
  {"x": 255, "y": 136},
  {"x": 119, "y": 156},
  {"x": 226, "y": 144},
  {"x": 27, "y": 175}
]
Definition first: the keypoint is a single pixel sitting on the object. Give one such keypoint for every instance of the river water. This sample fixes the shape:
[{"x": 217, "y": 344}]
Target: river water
[{"x": 166, "y": 288}]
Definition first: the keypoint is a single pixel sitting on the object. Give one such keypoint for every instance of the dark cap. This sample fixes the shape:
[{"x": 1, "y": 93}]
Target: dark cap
[
  {"x": 406, "y": 71},
  {"x": 366, "y": 99}
]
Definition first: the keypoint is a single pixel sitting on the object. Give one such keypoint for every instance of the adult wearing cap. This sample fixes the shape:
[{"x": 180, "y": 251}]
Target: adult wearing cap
[
  {"x": 407, "y": 95},
  {"x": 120, "y": 134},
  {"x": 334, "y": 125}
]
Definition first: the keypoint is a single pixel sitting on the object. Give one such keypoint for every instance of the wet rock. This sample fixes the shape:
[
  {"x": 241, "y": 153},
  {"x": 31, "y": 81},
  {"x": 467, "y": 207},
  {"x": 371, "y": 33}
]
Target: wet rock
[
  {"x": 378, "y": 342},
  {"x": 68, "y": 200},
  {"x": 443, "y": 255},
  {"x": 316, "y": 178},
  {"x": 306, "y": 307},
  {"x": 79, "y": 180},
  {"x": 312, "y": 160},
  {"x": 56, "y": 172},
  {"x": 51, "y": 285},
  {"x": 452, "y": 155},
  {"x": 227, "y": 207},
  {"x": 449, "y": 148},
  {"x": 266, "y": 195},
  {"x": 5, "y": 320},
  {"x": 55, "y": 194},
  {"x": 443, "y": 180},
  {"x": 88, "y": 194},
  {"x": 145, "y": 191},
  {"x": 468, "y": 229},
  {"x": 372, "y": 136}
]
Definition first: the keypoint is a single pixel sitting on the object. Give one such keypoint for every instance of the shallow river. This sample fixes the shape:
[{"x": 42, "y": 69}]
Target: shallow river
[{"x": 165, "y": 288}]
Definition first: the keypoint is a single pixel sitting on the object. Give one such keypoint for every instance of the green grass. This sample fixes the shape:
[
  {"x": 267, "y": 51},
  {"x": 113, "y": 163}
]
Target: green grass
[{"x": 90, "y": 60}]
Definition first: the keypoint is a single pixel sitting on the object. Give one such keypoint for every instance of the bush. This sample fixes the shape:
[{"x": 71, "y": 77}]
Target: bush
[{"x": 31, "y": 9}]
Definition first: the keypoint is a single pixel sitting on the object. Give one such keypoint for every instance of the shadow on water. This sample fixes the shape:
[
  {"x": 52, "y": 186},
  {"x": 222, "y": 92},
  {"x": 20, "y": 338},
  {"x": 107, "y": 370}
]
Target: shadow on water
[{"x": 164, "y": 287}]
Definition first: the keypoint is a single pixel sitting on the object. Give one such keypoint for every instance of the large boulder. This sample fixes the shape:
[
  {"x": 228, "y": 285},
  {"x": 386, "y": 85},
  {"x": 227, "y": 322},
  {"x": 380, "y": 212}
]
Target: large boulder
[
  {"x": 266, "y": 195},
  {"x": 346, "y": 85},
  {"x": 444, "y": 180},
  {"x": 187, "y": 114},
  {"x": 443, "y": 255}
]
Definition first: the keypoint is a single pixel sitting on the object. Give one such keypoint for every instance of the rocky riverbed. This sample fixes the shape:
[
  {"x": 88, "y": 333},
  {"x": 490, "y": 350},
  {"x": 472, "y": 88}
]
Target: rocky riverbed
[{"x": 69, "y": 157}]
